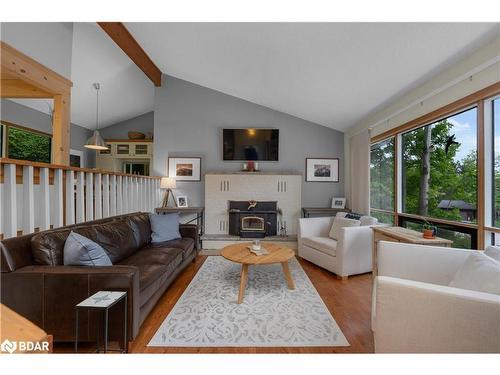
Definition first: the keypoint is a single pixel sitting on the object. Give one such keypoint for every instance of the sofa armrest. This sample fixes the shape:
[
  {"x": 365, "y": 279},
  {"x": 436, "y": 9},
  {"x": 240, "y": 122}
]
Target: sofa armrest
[
  {"x": 416, "y": 317},
  {"x": 354, "y": 250},
  {"x": 430, "y": 264},
  {"x": 47, "y": 295},
  {"x": 190, "y": 231}
]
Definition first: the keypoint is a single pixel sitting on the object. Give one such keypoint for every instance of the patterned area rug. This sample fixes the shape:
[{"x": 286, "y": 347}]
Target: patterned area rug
[{"x": 207, "y": 314}]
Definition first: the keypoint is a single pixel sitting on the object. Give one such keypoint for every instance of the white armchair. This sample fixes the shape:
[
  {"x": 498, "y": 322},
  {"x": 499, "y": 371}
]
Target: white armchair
[
  {"x": 351, "y": 255},
  {"x": 415, "y": 311}
]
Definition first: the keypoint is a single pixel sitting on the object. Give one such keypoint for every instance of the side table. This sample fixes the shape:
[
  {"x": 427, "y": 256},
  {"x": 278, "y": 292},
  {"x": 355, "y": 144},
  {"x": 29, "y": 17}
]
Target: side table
[{"x": 102, "y": 301}]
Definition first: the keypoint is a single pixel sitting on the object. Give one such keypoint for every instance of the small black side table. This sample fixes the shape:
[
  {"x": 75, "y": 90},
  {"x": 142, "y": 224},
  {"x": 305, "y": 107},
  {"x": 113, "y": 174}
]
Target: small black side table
[
  {"x": 322, "y": 211},
  {"x": 102, "y": 301}
]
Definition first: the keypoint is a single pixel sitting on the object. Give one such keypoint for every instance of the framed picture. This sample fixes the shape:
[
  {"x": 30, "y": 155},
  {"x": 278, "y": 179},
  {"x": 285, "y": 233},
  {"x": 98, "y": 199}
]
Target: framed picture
[
  {"x": 76, "y": 158},
  {"x": 338, "y": 203},
  {"x": 322, "y": 170},
  {"x": 182, "y": 201},
  {"x": 184, "y": 169}
]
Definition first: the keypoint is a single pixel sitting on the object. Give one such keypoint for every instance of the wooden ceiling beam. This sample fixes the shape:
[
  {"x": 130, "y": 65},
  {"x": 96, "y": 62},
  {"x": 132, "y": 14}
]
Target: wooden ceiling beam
[
  {"x": 16, "y": 88},
  {"x": 122, "y": 37},
  {"x": 18, "y": 65}
]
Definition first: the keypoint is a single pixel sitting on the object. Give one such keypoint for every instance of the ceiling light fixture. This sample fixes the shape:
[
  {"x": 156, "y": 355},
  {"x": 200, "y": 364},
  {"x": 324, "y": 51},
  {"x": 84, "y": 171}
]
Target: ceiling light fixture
[{"x": 96, "y": 142}]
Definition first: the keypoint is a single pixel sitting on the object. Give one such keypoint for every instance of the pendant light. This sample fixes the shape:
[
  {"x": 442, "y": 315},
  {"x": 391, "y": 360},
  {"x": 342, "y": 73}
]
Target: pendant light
[{"x": 96, "y": 142}]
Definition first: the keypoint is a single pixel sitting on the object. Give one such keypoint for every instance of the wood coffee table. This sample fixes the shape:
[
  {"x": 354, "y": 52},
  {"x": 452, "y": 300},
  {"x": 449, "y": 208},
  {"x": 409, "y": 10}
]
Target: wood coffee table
[{"x": 239, "y": 253}]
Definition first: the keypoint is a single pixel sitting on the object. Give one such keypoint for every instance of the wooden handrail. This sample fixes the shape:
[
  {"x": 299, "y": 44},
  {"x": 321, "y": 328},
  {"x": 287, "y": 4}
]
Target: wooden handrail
[{"x": 66, "y": 167}]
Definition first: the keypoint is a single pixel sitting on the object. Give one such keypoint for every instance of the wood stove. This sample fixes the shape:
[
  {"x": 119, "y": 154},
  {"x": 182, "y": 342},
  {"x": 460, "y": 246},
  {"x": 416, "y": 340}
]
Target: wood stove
[{"x": 251, "y": 219}]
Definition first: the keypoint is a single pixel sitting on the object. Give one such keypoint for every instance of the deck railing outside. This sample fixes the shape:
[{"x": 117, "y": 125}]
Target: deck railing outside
[{"x": 40, "y": 196}]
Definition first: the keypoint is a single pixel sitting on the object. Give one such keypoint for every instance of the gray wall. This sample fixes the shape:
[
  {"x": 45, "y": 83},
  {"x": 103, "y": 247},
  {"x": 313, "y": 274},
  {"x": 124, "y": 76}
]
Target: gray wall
[
  {"x": 188, "y": 120},
  {"x": 49, "y": 43},
  {"x": 143, "y": 123},
  {"x": 30, "y": 118}
]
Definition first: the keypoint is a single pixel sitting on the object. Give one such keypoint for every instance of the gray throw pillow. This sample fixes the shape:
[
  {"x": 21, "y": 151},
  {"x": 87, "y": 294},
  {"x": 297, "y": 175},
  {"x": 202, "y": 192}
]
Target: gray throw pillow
[
  {"x": 81, "y": 251},
  {"x": 164, "y": 227}
]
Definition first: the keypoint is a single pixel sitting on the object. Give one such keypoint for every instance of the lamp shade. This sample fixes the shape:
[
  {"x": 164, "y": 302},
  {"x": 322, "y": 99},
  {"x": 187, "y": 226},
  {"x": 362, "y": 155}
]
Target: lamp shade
[
  {"x": 96, "y": 142},
  {"x": 167, "y": 183}
]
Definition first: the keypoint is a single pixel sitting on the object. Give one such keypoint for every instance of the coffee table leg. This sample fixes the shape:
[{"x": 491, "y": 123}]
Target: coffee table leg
[
  {"x": 288, "y": 275},
  {"x": 243, "y": 282}
]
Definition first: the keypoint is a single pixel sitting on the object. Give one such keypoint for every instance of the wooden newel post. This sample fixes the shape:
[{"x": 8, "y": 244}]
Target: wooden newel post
[{"x": 61, "y": 130}]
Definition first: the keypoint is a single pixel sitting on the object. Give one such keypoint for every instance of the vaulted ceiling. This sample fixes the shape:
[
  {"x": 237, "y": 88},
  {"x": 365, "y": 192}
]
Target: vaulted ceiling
[{"x": 333, "y": 74}]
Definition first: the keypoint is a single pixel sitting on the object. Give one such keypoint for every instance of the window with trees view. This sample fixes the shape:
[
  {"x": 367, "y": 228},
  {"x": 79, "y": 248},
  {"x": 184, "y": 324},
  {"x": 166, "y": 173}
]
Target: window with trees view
[
  {"x": 24, "y": 144},
  {"x": 496, "y": 161},
  {"x": 382, "y": 180},
  {"x": 439, "y": 169}
]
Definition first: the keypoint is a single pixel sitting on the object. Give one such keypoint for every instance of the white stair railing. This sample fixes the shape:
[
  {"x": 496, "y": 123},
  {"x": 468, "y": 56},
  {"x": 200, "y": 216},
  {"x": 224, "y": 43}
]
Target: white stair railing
[{"x": 40, "y": 196}]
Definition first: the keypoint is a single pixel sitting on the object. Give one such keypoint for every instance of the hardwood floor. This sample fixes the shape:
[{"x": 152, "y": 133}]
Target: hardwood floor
[{"x": 349, "y": 302}]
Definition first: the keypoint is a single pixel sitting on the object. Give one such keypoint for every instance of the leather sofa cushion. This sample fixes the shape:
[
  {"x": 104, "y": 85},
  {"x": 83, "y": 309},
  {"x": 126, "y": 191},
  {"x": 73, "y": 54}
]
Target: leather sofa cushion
[
  {"x": 324, "y": 244},
  {"x": 155, "y": 266},
  {"x": 186, "y": 244},
  {"x": 47, "y": 247},
  {"x": 141, "y": 227},
  {"x": 116, "y": 237}
]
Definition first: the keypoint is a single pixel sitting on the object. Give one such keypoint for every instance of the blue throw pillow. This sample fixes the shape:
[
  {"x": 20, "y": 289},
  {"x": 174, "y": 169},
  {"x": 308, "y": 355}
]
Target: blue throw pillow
[
  {"x": 81, "y": 251},
  {"x": 164, "y": 227}
]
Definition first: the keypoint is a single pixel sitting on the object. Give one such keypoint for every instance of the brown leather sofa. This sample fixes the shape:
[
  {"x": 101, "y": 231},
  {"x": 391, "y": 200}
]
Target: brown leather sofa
[{"x": 36, "y": 284}]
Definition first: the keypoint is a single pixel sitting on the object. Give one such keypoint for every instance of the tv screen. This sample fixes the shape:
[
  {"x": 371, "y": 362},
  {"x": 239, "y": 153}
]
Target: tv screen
[{"x": 250, "y": 144}]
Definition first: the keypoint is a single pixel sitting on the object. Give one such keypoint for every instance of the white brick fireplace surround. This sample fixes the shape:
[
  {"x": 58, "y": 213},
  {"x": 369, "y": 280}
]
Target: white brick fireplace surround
[{"x": 220, "y": 188}]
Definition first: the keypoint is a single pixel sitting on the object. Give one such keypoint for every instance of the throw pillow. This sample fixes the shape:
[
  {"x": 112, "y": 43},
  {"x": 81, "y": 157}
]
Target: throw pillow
[
  {"x": 353, "y": 215},
  {"x": 493, "y": 252},
  {"x": 339, "y": 223},
  {"x": 368, "y": 220},
  {"x": 480, "y": 273},
  {"x": 164, "y": 227},
  {"x": 80, "y": 251}
]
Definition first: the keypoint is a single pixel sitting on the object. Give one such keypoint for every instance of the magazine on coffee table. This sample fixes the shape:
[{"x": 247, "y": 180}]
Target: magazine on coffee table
[{"x": 261, "y": 251}]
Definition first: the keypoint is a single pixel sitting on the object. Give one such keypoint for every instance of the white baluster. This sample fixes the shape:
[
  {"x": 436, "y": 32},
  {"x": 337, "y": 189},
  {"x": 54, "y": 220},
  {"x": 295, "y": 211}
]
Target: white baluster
[
  {"x": 44, "y": 199},
  {"x": 89, "y": 197},
  {"x": 97, "y": 196},
  {"x": 125, "y": 200},
  {"x": 80, "y": 197},
  {"x": 112, "y": 195},
  {"x": 10, "y": 203},
  {"x": 105, "y": 195},
  {"x": 28, "y": 200},
  {"x": 58, "y": 199},
  {"x": 70, "y": 197},
  {"x": 119, "y": 195}
]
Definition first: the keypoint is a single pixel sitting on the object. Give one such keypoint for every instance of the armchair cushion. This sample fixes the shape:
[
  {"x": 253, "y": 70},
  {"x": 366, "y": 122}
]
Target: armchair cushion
[
  {"x": 368, "y": 220},
  {"x": 339, "y": 223},
  {"x": 324, "y": 244},
  {"x": 480, "y": 273},
  {"x": 493, "y": 252}
]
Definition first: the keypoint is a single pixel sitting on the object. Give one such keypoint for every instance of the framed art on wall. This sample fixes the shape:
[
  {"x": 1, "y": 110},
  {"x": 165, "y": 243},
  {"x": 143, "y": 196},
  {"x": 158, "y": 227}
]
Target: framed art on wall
[
  {"x": 184, "y": 169},
  {"x": 322, "y": 170}
]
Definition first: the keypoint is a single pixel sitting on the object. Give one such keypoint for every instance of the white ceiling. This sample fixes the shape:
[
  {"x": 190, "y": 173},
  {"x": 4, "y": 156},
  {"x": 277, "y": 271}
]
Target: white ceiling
[
  {"x": 332, "y": 74},
  {"x": 125, "y": 91}
]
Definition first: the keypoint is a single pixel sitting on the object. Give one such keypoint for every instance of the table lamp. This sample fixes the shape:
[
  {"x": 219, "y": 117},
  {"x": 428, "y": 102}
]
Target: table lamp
[{"x": 168, "y": 183}]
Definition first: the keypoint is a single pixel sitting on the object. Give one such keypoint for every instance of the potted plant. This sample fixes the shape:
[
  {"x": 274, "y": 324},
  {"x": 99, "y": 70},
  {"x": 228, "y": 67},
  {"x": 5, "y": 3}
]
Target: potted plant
[{"x": 429, "y": 230}]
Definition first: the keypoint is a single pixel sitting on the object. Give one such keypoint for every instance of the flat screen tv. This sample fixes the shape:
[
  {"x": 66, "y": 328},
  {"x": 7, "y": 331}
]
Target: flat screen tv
[{"x": 250, "y": 144}]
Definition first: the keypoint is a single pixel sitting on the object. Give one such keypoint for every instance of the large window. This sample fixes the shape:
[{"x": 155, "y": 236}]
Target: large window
[
  {"x": 439, "y": 169},
  {"x": 382, "y": 180},
  {"x": 496, "y": 161},
  {"x": 25, "y": 144}
]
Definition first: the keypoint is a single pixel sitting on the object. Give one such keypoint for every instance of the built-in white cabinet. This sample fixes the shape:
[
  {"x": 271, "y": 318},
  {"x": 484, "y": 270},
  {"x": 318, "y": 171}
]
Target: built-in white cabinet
[
  {"x": 286, "y": 189},
  {"x": 126, "y": 156}
]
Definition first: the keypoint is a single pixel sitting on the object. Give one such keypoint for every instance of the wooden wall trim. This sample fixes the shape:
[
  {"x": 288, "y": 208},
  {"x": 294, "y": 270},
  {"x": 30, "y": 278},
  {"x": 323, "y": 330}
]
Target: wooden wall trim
[
  {"x": 122, "y": 37},
  {"x": 447, "y": 110}
]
